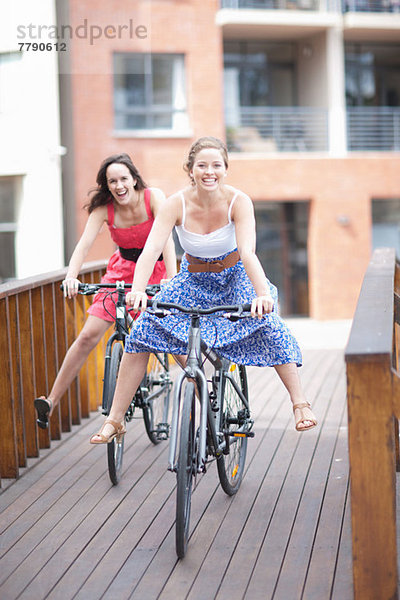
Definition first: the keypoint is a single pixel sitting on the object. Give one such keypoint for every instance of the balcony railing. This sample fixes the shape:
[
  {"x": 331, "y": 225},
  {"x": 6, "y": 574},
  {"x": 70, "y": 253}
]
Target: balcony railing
[
  {"x": 318, "y": 5},
  {"x": 276, "y": 4},
  {"x": 373, "y": 6},
  {"x": 278, "y": 129},
  {"x": 373, "y": 129}
]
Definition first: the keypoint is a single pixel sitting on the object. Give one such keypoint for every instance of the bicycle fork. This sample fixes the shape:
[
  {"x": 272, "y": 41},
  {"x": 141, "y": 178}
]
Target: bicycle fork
[{"x": 194, "y": 372}]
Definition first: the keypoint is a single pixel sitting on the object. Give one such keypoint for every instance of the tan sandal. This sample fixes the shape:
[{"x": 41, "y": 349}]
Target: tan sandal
[
  {"x": 119, "y": 430},
  {"x": 301, "y": 406}
]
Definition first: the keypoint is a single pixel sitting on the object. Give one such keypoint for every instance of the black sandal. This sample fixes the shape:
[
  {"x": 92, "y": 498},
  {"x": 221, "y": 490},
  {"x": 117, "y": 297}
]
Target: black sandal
[{"x": 43, "y": 408}]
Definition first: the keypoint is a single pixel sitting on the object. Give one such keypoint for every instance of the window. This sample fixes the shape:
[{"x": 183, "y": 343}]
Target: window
[
  {"x": 373, "y": 75},
  {"x": 11, "y": 81},
  {"x": 386, "y": 224},
  {"x": 149, "y": 92},
  {"x": 8, "y": 227},
  {"x": 259, "y": 73},
  {"x": 282, "y": 233}
]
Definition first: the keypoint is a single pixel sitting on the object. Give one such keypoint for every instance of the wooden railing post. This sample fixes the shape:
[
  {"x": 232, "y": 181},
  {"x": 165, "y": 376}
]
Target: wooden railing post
[
  {"x": 371, "y": 434},
  {"x": 8, "y": 439}
]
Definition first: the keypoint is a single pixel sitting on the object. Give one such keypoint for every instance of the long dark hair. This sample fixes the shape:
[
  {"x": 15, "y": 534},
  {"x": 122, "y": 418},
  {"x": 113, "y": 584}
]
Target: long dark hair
[{"x": 100, "y": 196}]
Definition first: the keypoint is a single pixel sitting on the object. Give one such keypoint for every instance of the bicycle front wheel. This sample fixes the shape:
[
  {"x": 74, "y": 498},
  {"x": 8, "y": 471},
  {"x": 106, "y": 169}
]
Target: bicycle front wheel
[
  {"x": 157, "y": 386},
  {"x": 186, "y": 470},
  {"x": 235, "y": 421},
  {"x": 115, "y": 449}
]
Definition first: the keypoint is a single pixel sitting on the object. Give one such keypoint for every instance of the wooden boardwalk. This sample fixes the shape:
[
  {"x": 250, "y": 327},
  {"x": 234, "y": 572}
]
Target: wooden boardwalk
[{"x": 66, "y": 532}]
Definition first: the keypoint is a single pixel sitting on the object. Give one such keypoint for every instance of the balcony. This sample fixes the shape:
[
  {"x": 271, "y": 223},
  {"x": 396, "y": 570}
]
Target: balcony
[
  {"x": 373, "y": 129},
  {"x": 280, "y": 4},
  {"x": 371, "y": 6},
  {"x": 278, "y": 129}
]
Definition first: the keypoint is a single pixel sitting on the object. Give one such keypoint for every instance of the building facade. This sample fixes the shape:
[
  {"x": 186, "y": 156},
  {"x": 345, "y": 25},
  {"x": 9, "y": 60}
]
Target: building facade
[
  {"x": 306, "y": 94},
  {"x": 31, "y": 209}
]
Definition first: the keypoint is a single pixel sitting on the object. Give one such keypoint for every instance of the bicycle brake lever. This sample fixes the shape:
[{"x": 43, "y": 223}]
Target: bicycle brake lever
[
  {"x": 158, "y": 312},
  {"x": 152, "y": 290},
  {"x": 233, "y": 316},
  {"x": 87, "y": 289},
  {"x": 84, "y": 288}
]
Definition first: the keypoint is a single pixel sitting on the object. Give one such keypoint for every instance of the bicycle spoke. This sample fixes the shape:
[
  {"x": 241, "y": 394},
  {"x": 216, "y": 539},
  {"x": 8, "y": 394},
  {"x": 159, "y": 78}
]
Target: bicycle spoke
[
  {"x": 156, "y": 388},
  {"x": 235, "y": 423}
]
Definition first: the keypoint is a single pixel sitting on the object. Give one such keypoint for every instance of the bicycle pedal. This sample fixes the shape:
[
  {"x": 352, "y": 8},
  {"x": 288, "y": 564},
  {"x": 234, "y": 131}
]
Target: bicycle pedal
[
  {"x": 162, "y": 431},
  {"x": 243, "y": 434}
]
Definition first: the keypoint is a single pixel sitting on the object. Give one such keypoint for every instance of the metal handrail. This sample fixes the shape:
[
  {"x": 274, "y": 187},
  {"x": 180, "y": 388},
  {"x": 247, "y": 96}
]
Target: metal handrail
[
  {"x": 372, "y": 6},
  {"x": 373, "y": 128},
  {"x": 278, "y": 129}
]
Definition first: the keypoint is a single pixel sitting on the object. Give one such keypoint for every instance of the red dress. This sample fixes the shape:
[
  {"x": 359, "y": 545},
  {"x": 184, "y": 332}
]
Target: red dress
[{"x": 119, "y": 268}]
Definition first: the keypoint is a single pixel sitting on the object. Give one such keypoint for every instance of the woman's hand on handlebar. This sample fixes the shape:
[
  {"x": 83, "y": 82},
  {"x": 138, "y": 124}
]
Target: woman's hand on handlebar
[
  {"x": 262, "y": 305},
  {"x": 70, "y": 287},
  {"x": 136, "y": 300}
]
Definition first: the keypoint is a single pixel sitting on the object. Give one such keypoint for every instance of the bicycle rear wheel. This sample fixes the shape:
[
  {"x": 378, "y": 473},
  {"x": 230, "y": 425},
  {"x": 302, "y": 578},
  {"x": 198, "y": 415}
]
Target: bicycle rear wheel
[
  {"x": 157, "y": 386},
  {"x": 186, "y": 470},
  {"x": 235, "y": 420},
  {"x": 115, "y": 449}
]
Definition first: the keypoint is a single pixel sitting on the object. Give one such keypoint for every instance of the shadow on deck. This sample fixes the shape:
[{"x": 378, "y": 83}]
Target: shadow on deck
[{"x": 66, "y": 532}]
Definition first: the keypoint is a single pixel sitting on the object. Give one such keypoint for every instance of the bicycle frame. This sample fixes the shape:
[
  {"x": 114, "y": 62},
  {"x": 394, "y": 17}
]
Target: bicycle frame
[
  {"x": 193, "y": 370},
  {"x": 122, "y": 321}
]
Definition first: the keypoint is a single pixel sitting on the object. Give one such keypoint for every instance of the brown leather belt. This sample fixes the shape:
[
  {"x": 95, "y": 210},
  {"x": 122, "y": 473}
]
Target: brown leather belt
[{"x": 196, "y": 265}]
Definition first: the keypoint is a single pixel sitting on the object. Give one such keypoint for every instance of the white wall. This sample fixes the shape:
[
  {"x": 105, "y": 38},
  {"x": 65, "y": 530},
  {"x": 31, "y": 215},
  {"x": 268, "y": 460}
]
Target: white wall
[{"x": 30, "y": 137}]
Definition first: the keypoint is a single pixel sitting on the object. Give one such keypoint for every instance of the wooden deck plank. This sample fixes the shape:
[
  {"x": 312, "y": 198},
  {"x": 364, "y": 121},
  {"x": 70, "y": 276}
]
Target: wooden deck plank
[
  {"x": 315, "y": 495},
  {"x": 49, "y": 509},
  {"x": 33, "y": 502},
  {"x": 202, "y": 498},
  {"x": 164, "y": 560},
  {"x": 239, "y": 573},
  {"x": 218, "y": 521},
  {"x": 267, "y": 573},
  {"x": 329, "y": 536},
  {"x": 343, "y": 583},
  {"x": 106, "y": 552},
  {"x": 267, "y": 379},
  {"x": 66, "y": 532}
]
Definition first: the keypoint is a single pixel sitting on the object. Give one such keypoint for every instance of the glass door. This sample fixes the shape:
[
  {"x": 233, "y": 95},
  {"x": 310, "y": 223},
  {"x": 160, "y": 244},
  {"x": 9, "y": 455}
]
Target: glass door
[{"x": 282, "y": 232}]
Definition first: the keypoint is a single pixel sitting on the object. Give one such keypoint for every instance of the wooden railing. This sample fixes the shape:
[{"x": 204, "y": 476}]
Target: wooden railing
[
  {"x": 373, "y": 392},
  {"x": 37, "y": 327}
]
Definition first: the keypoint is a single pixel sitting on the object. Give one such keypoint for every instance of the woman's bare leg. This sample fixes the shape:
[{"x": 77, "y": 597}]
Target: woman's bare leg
[
  {"x": 291, "y": 380},
  {"x": 90, "y": 335},
  {"x": 130, "y": 374}
]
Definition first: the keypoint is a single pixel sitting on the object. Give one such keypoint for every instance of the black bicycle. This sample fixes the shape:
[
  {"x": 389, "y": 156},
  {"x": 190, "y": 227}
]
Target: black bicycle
[
  {"x": 153, "y": 394},
  {"x": 219, "y": 429}
]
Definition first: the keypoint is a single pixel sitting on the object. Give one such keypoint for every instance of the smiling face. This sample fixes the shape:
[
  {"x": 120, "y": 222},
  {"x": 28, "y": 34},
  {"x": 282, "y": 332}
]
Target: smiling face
[
  {"x": 209, "y": 170},
  {"x": 120, "y": 183}
]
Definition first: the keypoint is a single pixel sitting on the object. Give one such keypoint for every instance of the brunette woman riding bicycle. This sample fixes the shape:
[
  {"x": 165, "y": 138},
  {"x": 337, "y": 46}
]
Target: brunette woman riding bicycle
[{"x": 128, "y": 207}]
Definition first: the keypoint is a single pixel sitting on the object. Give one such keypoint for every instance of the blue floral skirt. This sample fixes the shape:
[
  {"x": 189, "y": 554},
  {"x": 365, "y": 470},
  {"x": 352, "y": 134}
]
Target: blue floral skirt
[{"x": 250, "y": 341}]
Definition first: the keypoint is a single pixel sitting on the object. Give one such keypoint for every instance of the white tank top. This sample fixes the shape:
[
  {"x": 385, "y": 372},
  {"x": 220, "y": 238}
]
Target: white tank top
[{"x": 207, "y": 245}]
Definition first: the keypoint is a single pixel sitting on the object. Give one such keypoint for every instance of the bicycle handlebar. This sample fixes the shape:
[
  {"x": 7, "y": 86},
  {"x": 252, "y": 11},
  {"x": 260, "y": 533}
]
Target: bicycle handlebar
[
  {"x": 160, "y": 309},
  {"x": 197, "y": 310},
  {"x": 88, "y": 289}
]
